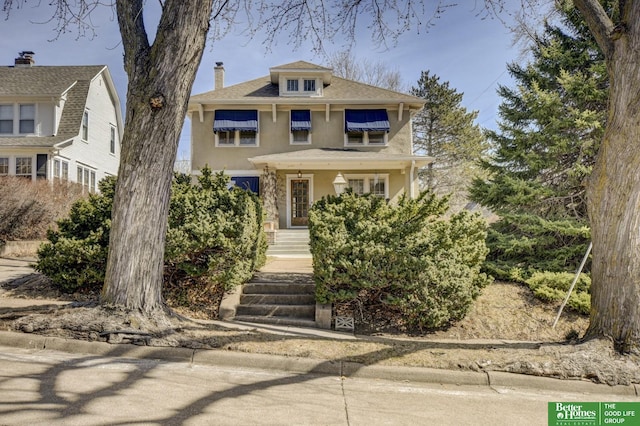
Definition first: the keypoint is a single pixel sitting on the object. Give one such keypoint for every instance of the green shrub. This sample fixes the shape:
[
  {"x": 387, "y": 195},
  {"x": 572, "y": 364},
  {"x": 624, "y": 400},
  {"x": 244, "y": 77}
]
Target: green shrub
[
  {"x": 405, "y": 258},
  {"x": 553, "y": 287},
  {"x": 522, "y": 244},
  {"x": 76, "y": 255},
  {"x": 214, "y": 242}
]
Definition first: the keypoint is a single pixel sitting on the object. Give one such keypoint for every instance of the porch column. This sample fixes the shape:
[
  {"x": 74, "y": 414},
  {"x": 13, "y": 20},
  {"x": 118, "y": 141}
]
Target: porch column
[{"x": 269, "y": 195}]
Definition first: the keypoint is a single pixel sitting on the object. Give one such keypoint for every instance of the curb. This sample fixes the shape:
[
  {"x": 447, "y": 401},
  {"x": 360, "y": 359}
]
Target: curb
[{"x": 493, "y": 379}]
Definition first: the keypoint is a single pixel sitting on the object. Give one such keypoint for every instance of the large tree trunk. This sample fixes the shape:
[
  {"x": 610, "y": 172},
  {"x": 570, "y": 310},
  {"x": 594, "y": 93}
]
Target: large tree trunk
[
  {"x": 160, "y": 80},
  {"x": 614, "y": 186}
]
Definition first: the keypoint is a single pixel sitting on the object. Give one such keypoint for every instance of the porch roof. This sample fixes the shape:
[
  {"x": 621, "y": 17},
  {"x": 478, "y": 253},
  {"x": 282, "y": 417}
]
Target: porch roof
[{"x": 339, "y": 159}]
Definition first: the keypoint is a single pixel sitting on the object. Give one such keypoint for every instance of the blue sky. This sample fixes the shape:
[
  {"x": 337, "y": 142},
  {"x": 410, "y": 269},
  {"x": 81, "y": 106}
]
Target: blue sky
[{"x": 469, "y": 52}]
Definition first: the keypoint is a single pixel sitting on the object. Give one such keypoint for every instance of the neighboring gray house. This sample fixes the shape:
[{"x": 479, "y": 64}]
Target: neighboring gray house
[
  {"x": 59, "y": 122},
  {"x": 300, "y": 133}
]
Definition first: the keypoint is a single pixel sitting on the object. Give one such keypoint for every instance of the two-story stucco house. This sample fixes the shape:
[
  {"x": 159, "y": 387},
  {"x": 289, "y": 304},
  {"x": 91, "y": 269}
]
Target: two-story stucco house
[
  {"x": 300, "y": 133},
  {"x": 59, "y": 122}
]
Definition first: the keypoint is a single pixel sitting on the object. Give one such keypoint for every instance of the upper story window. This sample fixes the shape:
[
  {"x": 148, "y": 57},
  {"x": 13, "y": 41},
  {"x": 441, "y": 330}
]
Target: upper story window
[
  {"x": 6, "y": 119},
  {"x": 27, "y": 118},
  {"x": 300, "y": 127},
  {"x": 26, "y": 115},
  {"x": 300, "y": 87},
  {"x": 292, "y": 85},
  {"x": 112, "y": 140},
  {"x": 236, "y": 127},
  {"x": 85, "y": 126},
  {"x": 309, "y": 85},
  {"x": 366, "y": 127}
]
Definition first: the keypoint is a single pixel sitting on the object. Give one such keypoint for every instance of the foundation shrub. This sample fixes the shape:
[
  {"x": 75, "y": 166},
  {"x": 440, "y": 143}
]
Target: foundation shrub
[
  {"x": 215, "y": 241},
  {"x": 405, "y": 260}
]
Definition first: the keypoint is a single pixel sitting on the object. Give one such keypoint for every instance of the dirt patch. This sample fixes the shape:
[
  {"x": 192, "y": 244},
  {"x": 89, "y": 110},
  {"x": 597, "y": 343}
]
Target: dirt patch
[{"x": 506, "y": 330}]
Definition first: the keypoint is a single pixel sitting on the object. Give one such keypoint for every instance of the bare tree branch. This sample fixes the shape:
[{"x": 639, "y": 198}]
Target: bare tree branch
[{"x": 599, "y": 23}]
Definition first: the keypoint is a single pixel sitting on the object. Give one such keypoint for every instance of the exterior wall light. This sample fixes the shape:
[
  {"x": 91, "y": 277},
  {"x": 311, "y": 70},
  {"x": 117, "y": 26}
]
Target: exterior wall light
[{"x": 339, "y": 183}]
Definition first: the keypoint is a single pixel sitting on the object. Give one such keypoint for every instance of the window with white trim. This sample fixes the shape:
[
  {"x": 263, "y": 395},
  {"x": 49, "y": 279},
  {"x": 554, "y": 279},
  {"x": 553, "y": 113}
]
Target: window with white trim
[
  {"x": 112, "y": 140},
  {"x": 60, "y": 169},
  {"x": 300, "y": 128},
  {"x": 292, "y": 85},
  {"x": 27, "y": 123},
  {"x": 237, "y": 138},
  {"x": 87, "y": 178},
  {"x": 24, "y": 166},
  {"x": 375, "y": 184},
  {"x": 372, "y": 138},
  {"x": 6, "y": 119},
  {"x": 309, "y": 85},
  {"x": 85, "y": 126},
  {"x": 4, "y": 166}
]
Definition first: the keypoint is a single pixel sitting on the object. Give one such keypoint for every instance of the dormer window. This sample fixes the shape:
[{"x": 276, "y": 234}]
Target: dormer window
[
  {"x": 299, "y": 86},
  {"x": 292, "y": 85},
  {"x": 309, "y": 85}
]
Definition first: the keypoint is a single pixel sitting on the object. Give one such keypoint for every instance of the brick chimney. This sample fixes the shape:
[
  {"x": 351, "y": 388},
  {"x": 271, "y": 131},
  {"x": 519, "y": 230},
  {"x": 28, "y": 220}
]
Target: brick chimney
[
  {"x": 218, "y": 73},
  {"x": 25, "y": 59}
]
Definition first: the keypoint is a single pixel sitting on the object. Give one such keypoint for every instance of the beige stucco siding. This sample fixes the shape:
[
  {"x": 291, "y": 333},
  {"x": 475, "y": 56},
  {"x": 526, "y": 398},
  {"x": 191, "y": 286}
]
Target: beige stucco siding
[{"x": 275, "y": 137}]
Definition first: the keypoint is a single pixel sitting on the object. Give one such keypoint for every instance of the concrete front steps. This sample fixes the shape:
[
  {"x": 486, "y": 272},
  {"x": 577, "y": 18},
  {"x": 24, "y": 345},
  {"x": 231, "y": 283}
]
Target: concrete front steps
[
  {"x": 282, "y": 299},
  {"x": 290, "y": 243}
]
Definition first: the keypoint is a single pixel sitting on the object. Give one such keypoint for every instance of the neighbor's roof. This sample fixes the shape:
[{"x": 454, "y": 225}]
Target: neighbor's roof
[
  {"x": 337, "y": 158},
  {"x": 43, "y": 80},
  {"x": 263, "y": 91},
  {"x": 54, "y": 81}
]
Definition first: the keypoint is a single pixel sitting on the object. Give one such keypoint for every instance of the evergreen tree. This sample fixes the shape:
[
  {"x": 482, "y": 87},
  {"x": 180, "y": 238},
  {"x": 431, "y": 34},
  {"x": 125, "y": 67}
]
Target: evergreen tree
[
  {"x": 552, "y": 122},
  {"x": 445, "y": 130}
]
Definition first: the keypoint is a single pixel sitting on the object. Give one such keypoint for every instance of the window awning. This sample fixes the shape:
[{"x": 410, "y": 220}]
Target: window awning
[
  {"x": 229, "y": 120},
  {"x": 366, "y": 120},
  {"x": 300, "y": 119},
  {"x": 251, "y": 183}
]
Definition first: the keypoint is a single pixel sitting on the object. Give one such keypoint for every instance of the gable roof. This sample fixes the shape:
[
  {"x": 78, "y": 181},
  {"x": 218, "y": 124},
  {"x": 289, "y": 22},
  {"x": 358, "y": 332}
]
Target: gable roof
[
  {"x": 54, "y": 81},
  {"x": 43, "y": 80},
  {"x": 263, "y": 91}
]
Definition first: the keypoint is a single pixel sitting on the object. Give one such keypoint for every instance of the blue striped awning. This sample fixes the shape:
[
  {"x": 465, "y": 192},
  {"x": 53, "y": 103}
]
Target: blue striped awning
[
  {"x": 366, "y": 120},
  {"x": 300, "y": 119},
  {"x": 230, "y": 119}
]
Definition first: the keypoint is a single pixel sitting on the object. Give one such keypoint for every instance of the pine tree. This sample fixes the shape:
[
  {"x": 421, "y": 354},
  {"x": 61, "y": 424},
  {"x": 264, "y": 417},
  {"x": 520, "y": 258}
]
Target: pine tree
[
  {"x": 445, "y": 130},
  {"x": 551, "y": 125}
]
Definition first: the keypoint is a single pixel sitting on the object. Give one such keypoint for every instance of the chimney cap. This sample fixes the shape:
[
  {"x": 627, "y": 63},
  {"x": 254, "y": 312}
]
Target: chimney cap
[
  {"x": 26, "y": 53},
  {"x": 219, "y": 64}
]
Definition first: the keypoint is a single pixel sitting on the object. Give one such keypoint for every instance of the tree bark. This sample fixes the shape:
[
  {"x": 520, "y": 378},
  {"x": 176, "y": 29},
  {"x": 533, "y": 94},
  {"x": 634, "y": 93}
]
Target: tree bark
[
  {"x": 161, "y": 76},
  {"x": 613, "y": 189}
]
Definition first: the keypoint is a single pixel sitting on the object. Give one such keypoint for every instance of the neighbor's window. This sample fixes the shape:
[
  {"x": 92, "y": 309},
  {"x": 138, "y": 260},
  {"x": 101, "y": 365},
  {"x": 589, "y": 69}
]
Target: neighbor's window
[
  {"x": 6, "y": 119},
  {"x": 27, "y": 118},
  {"x": 85, "y": 126},
  {"x": 87, "y": 178},
  {"x": 23, "y": 166},
  {"x": 4, "y": 166},
  {"x": 112, "y": 141}
]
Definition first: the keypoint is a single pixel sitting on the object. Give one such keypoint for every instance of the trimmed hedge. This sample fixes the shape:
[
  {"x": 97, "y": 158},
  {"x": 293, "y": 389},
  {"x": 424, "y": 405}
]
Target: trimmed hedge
[
  {"x": 215, "y": 241},
  {"x": 406, "y": 258}
]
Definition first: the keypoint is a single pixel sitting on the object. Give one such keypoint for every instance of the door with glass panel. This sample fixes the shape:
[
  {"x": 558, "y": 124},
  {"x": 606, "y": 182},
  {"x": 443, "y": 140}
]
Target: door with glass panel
[{"x": 299, "y": 202}]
